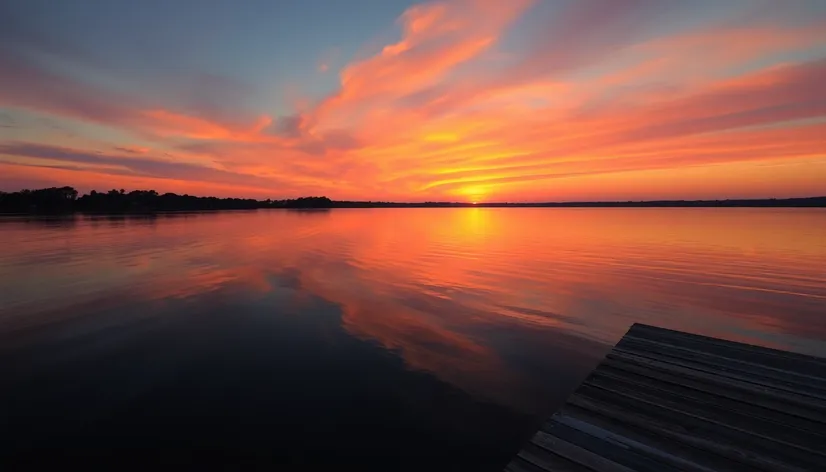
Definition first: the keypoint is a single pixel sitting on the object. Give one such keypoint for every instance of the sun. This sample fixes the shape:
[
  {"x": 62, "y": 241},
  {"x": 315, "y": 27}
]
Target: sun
[{"x": 475, "y": 194}]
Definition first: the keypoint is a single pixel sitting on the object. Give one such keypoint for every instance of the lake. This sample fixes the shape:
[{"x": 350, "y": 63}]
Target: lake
[{"x": 384, "y": 338}]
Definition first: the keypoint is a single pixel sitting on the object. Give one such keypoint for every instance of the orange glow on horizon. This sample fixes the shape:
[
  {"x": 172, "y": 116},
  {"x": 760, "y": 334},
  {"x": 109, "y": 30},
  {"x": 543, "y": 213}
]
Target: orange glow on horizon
[{"x": 451, "y": 110}]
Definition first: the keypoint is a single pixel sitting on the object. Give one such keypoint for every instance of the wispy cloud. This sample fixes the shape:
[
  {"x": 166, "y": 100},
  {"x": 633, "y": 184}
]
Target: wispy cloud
[
  {"x": 139, "y": 166},
  {"x": 133, "y": 149},
  {"x": 481, "y": 97}
]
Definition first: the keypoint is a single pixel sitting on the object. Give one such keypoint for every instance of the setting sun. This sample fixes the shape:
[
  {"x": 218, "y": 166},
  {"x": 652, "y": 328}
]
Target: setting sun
[
  {"x": 581, "y": 100},
  {"x": 474, "y": 194}
]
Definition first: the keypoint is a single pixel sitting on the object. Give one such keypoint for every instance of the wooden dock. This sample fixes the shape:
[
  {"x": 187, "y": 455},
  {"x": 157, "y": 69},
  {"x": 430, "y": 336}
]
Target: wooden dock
[{"x": 664, "y": 401}]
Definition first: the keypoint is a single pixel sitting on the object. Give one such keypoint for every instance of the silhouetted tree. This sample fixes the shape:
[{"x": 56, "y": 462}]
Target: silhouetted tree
[
  {"x": 309, "y": 202},
  {"x": 53, "y": 199},
  {"x": 65, "y": 199}
]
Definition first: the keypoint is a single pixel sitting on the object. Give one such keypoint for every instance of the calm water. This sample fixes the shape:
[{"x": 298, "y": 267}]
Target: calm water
[{"x": 382, "y": 337}]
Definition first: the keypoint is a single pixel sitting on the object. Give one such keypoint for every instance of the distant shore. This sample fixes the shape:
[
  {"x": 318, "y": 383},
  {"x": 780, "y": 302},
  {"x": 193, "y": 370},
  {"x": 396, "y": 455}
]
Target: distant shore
[
  {"x": 756, "y": 203},
  {"x": 61, "y": 200}
]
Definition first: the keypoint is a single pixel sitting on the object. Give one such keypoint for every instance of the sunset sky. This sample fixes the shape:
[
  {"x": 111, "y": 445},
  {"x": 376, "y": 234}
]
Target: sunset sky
[{"x": 467, "y": 100}]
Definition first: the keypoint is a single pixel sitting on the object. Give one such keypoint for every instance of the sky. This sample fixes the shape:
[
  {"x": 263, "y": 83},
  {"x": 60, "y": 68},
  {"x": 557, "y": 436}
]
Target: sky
[{"x": 465, "y": 100}]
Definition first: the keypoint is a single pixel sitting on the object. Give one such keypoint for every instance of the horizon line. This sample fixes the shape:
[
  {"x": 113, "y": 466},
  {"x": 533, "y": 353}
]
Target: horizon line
[{"x": 474, "y": 204}]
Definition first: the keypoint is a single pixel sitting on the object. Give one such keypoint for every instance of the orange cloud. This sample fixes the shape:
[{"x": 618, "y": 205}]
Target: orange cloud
[
  {"x": 437, "y": 37},
  {"x": 166, "y": 123},
  {"x": 452, "y": 110},
  {"x": 96, "y": 179}
]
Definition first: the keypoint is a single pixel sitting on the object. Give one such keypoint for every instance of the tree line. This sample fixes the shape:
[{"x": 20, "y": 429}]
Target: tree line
[{"x": 66, "y": 200}]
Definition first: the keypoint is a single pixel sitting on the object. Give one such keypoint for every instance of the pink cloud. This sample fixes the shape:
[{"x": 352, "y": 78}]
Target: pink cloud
[
  {"x": 449, "y": 110},
  {"x": 437, "y": 37}
]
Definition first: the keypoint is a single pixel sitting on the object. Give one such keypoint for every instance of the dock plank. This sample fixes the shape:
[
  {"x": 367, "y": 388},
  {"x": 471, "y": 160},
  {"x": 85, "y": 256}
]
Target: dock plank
[
  {"x": 668, "y": 401},
  {"x": 805, "y": 401},
  {"x": 535, "y": 458},
  {"x": 763, "y": 355},
  {"x": 753, "y": 406},
  {"x": 577, "y": 453},
  {"x": 713, "y": 413},
  {"x": 747, "y": 394},
  {"x": 732, "y": 442},
  {"x": 727, "y": 430},
  {"x": 807, "y": 384},
  {"x": 729, "y": 373},
  {"x": 788, "y": 366},
  {"x": 679, "y": 454}
]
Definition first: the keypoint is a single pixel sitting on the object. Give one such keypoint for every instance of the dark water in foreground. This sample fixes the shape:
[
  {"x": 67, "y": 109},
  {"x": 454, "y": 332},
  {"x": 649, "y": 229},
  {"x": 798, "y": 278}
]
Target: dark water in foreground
[{"x": 385, "y": 338}]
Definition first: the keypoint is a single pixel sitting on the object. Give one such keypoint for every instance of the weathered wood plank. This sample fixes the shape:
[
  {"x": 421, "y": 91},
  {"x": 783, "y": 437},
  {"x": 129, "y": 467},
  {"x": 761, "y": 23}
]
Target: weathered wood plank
[
  {"x": 720, "y": 399},
  {"x": 722, "y": 377},
  {"x": 762, "y": 355},
  {"x": 809, "y": 385},
  {"x": 540, "y": 459},
  {"x": 590, "y": 440},
  {"x": 735, "y": 436},
  {"x": 669, "y": 428},
  {"x": 721, "y": 416},
  {"x": 716, "y": 386},
  {"x": 667, "y": 401},
  {"x": 807, "y": 366},
  {"x": 577, "y": 453},
  {"x": 689, "y": 458}
]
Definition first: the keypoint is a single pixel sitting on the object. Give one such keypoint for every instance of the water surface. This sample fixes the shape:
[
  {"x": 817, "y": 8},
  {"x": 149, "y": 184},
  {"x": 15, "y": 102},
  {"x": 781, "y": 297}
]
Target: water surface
[{"x": 386, "y": 338}]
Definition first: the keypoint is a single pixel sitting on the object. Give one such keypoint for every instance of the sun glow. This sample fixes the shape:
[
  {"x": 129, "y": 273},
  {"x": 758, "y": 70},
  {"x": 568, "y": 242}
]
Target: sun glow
[
  {"x": 474, "y": 194},
  {"x": 464, "y": 102}
]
